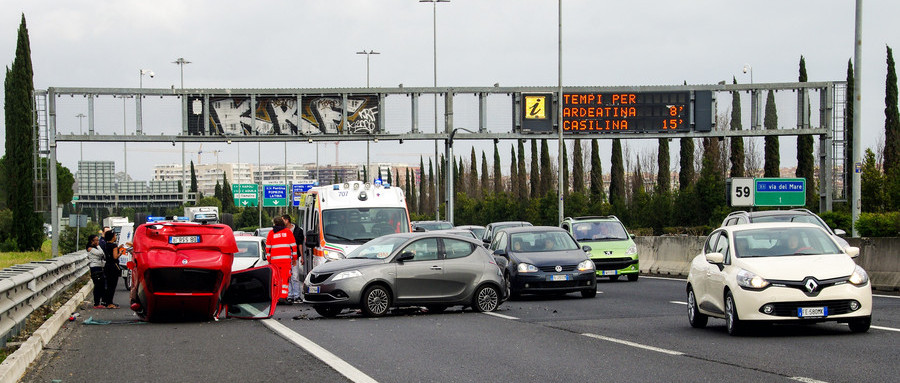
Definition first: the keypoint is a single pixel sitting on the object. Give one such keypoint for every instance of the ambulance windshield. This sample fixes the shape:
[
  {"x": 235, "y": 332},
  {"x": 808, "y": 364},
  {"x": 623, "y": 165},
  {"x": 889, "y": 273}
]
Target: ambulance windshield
[{"x": 356, "y": 225}]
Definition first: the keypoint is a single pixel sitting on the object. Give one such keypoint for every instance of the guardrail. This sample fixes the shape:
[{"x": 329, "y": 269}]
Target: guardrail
[
  {"x": 25, "y": 287},
  {"x": 666, "y": 255}
]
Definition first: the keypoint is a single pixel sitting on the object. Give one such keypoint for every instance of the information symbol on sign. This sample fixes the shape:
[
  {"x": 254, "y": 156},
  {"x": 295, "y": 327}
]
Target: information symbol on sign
[{"x": 536, "y": 107}]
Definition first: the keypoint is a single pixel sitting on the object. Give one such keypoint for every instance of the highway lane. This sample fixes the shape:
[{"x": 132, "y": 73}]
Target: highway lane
[{"x": 629, "y": 332}]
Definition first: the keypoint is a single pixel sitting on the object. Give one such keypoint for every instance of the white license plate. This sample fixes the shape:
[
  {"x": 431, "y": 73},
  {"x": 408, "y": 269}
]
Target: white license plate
[
  {"x": 610, "y": 272},
  {"x": 559, "y": 277},
  {"x": 184, "y": 239},
  {"x": 313, "y": 289},
  {"x": 812, "y": 312}
]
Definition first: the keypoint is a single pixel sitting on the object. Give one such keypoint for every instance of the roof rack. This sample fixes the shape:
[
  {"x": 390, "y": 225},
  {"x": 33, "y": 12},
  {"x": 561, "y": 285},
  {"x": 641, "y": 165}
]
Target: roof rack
[{"x": 596, "y": 217}]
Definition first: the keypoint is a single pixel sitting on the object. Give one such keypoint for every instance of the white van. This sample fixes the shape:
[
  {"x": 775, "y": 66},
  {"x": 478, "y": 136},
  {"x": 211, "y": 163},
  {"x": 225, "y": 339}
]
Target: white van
[{"x": 341, "y": 217}]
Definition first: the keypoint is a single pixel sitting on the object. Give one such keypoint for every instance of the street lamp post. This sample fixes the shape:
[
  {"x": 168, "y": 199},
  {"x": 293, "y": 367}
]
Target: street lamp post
[
  {"x": 437, "y": 212},
  {"x": 749, "y": 69},
  {"x": 181, "y": 61},
  {"x": 368, "y": 54}
]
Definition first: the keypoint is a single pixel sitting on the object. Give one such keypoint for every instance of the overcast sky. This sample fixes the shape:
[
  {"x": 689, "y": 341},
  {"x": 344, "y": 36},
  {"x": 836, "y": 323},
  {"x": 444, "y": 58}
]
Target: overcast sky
[{"x": 308, "y": 44}]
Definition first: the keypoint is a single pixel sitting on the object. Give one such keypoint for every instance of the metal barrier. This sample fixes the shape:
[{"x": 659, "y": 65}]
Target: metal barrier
[{"x": 24, "y": 288}]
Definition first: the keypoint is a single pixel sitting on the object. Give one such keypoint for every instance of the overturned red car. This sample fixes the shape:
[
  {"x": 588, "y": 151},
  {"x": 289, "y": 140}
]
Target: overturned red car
[{"x": 182, "y": 271}]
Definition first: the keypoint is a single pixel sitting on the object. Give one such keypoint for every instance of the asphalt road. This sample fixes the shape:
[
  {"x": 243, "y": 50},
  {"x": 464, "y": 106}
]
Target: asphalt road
[{"x": 629, "y": 332}]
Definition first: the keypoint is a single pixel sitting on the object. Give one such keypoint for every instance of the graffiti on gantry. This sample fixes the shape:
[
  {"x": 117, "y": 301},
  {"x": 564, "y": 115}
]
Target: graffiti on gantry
[{"x": 230, "y": 115}]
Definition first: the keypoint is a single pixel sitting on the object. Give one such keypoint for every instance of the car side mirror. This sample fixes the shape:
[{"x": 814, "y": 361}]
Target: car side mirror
[
  {"x": 715, "y": 258},
  {"x": 419, "y": 229},
  {"x": 586, "y": 248},
  {"x": 501, "y": 253},
  {"x": 852, "y": 251},
  {"x": 406, "y": 256},
  {"x": 631, "y": 235},
  {"x": 839, "y": 232},
  {"x": 312, "y": 238}
]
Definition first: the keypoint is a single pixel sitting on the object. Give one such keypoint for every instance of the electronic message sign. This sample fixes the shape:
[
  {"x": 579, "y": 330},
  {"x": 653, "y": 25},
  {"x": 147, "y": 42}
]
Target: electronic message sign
[{"x": 607, "y": 112}]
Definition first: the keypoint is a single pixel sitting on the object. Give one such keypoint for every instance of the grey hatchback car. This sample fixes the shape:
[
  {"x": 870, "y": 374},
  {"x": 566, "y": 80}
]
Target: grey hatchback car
[{"x": 435, "y": 270}]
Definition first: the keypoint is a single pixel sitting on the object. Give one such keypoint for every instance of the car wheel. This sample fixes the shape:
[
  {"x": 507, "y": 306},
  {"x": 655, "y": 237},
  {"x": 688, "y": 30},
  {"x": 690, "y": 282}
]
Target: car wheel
[
  {"x": 376, "y": 301},
  {"x": 436, "y": 308},
  {"x": 328, "y": 311},
  {"x": 861, "y": 324},
  {"x": 486, "y": 299},
  {"x": 589, "y": 293},
  {"x": 697, "y": 319},
  {"x": 732, "y": 321},
  {"x": 508, "y": 285},
  {"x": 613, "y": 277},
  {"x": 127, "y": 278},
  {"x": 633, "y": 277}
]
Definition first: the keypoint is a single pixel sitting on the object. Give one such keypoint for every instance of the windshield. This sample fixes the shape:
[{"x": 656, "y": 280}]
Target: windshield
[
  {"x": 479, "y": 232},
  {"x": 362, "y": 224},
  {"x": 435, "y": 225},
  {"x": 599, "y": 231},
  {"x": 247, "y": 249},
  {"x": 783, "y": 241},
  {"x": 801, "y": 218},
  {"x": 378, "y": 248},
  {"x": 541, "y": 242}
]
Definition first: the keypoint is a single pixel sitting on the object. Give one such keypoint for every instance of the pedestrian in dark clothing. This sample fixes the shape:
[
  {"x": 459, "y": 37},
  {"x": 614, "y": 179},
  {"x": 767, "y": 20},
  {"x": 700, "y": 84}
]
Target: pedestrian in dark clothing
[
  {"x": 111, "y": 268},
  {"x": 96, "y": 261}
]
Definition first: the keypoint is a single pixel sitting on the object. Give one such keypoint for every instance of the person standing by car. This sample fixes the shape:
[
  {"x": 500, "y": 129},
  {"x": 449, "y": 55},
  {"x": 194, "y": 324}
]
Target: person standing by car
[
  {"x": 296, "y": 264},
  {"x": 111, "y": 268},
  {"x": 282, "y": 250},
  {"x": 96, "y": 261}
]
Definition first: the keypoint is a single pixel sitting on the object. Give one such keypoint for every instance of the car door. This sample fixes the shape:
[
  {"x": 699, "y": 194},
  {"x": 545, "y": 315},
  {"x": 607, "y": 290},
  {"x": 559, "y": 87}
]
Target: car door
[
  {"x": 715, "y": 275},
  {"x": 702, "y": 273},
  {"x": 420, "y": 278},
  {"x": 461, "y": 269},
  {"x": 252, "y": 293}
]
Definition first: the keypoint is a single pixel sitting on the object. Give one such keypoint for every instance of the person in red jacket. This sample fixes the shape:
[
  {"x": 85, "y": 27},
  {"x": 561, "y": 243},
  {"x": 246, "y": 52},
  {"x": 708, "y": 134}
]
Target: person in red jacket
[{"x": 282, "y": 251}]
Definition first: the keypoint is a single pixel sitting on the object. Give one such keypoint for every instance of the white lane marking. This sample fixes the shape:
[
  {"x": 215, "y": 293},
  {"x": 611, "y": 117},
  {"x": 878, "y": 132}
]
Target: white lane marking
[
  {"x": 886, "y": 296},
  {"x": 324, "y": 355},
  {"x": 666, "y": 278},
  {"x": 807, "y": 380},
  {"x": 678, "y": 303},
  {"x": 632, "y": 344},
  {"x": 501, "y": 316},
  {"x": 599, "y": 292},
  {"x": 886, "y": 328}
]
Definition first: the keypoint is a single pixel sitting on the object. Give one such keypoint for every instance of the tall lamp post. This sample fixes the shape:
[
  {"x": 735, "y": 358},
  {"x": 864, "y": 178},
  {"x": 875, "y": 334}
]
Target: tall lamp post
[
  {"x": 184, "y": 186},
  {"x": 368, "y": 54},
  {"x": 437, "y": 211},
  {"x": 749, "y": 69}
]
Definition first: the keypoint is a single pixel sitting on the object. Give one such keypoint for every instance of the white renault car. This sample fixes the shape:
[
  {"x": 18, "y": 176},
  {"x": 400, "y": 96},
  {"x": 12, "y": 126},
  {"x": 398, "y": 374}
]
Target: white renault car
[{"x": 777, "y": 272}]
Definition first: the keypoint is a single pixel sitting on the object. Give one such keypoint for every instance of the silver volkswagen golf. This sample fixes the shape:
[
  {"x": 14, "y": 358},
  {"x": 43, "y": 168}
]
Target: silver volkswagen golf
[{"x": 410, "y": 269}]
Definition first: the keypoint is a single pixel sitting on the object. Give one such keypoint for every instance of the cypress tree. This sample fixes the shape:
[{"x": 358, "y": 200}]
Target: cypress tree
[
  {"x": 431, "y": 191},
  {"x": 711, "y": 182},
  {"x": 520, "y": 161},
  {"x": 514, "y": 174},
  {"x": 773, "y": 160},
  {"x": 193, "y": 188},
  {"x": 485, "y": 187},
  {"x": 663, "y": 176},
  {"x": 546, "y": 174},
  {"x": 577, "y": 168},
  {"x": 498, "y": 175},
  {"x": 217, "y": 192},
  {"x": 891, "y": 135},
  {"x": 441, "y": 189},
  {"x": 805, "y": 161},
  {"x": 849, "y": 167},
  {"x": 535, "y": 179},
  {"x": 686, "y": 165},
  {"x": 19, "y": 86},
  {"x": 473, "y": 174},
  {"x": 227, "y": 195},
  {"x": 737, "y": 143},
  {"x": 871, "y": 185},
  {"x": 617, "y": 174},
  {"x": 424, "y": 185},
  {"x": 597, "y": 192},
  {"x": 390, "y": 180},
  {"x": 565, "y": 170}
]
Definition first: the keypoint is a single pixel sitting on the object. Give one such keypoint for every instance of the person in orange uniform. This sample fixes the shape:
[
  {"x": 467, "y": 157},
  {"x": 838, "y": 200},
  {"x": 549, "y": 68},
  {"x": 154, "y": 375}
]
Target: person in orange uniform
[{"x": 282, "y": 251}]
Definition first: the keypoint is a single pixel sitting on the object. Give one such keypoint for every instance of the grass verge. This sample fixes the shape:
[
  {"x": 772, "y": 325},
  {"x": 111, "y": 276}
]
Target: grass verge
[{"x": 20, "y": 257}]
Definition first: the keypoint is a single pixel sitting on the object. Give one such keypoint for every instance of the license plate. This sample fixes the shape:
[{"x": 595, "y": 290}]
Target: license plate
[
  {"x": 812, "y": 312},
  {"x": 313, "y": 289},
  {"x": 184, "y": 239},
  {"x": 610, "y": 272},
  {"x": 559, "y": 277}
]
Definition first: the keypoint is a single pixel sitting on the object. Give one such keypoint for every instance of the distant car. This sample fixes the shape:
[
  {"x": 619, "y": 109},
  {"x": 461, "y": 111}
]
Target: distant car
[
  {"x": 262, "y": 232},
  {"x": 612, "y": 248},
  {"x": 251, "y": 253},
  {"x": 544, "y": 260},
  {"x": 489, "y": 230},
  {"x": 477, "y": 230},
  {"x": 459, "y": 232},
  {"x": 431, "y": 225},
  {"x": 777, "y": 272},
  {"x": 793, "y": 215},
  {"x": 435, "y": 270}
]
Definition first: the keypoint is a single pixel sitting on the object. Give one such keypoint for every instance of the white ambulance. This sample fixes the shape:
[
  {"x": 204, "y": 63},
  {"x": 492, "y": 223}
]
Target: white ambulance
[{"x": 339, "y": 218}]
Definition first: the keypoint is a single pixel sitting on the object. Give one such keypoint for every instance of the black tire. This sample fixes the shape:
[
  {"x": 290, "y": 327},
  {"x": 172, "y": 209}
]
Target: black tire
[
  {"x": 435, "y": 309},
  {"x": 376, "y": 301},
  {"x": 697, "y": 319},
  {"x": 633, "y": 277},
  {"x": 486, "y": 299},
  {"x": 328, "y": 311},
  {"x": 860, "y": 325},
  {"x": 732, "y": 321},
  {"x": 613, "y": 277},
  {"x": 589, "y": 293},
  {"x": 508, "y": 285}
]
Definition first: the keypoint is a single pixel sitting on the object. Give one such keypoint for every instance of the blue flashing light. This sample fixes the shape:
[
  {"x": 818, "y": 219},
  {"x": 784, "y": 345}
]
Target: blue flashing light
[{"x": 336, "y": 187}]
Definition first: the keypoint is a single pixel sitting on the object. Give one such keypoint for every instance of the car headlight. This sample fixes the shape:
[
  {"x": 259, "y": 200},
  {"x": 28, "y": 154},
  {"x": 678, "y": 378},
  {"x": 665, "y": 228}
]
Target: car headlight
[
  {"x": 750, "y": 280},
  {"x": 859, "y": 276},
  {"x": 527, "y": 268},
  {"x": 333, "y": 255},
  {"x": 586, "y": 265},
  {"x": 346, "y": 274},
  {"x": 632, "y": 250}
]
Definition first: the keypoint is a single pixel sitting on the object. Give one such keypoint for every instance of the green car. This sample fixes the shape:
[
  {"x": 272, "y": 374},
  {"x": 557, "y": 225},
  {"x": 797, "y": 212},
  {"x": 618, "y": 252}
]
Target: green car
[{"x": 612, "y": 248}]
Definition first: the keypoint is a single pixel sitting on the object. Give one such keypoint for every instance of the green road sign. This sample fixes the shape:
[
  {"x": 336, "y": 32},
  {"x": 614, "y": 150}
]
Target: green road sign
[
  {"x": 245, "y": 194},
  {"x": 274, "y": 195},
  {"x": 780, "y": 192}
]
